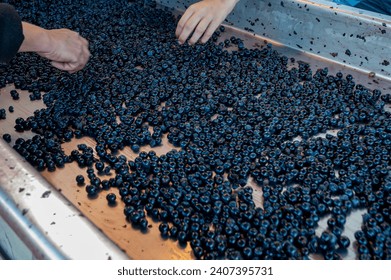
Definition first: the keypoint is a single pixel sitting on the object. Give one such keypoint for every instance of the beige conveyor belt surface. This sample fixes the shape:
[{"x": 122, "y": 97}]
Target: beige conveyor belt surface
[{"x": 111, "y": 220}]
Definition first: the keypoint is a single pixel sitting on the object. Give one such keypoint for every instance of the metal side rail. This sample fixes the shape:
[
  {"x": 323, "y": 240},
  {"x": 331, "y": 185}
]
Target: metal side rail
[
  {"x": 341, "y": 34},
  {"x": 37, "y": 222}
]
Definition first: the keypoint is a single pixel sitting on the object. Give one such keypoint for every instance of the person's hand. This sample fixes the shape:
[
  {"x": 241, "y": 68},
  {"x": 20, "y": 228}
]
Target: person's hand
[
  {"x": 66, "y": 49},
  {"x": 202, "y": 19}
]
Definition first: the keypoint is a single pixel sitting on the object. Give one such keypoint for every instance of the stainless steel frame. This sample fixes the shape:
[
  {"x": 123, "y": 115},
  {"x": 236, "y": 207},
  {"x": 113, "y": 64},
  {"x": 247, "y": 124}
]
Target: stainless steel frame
[
  {"x": 319, "y": 28},
  {"x": 37, "y": 222}
]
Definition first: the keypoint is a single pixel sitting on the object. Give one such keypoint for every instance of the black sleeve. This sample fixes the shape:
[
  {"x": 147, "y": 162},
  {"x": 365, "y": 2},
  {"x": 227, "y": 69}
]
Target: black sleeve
[{"x": 11, "y": 32}]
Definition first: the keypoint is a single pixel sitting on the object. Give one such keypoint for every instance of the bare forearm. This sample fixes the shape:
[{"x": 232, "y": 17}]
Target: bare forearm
[
  {"x": 36, "y": 39},
  {"x": 66, "y": 49}
]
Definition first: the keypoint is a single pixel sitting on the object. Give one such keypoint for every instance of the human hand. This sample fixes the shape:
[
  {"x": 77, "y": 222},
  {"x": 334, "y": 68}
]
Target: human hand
[
  {"x": 202, "y": 19},
  {"x": 66, "y": 49}
]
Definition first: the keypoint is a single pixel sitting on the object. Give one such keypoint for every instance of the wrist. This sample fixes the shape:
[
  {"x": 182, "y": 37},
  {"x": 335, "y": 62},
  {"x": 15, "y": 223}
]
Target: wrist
[
  {"x": 36, "y": 39},
  {"x": 230, "y": 2},
  {"x": 228, "y": 5}
]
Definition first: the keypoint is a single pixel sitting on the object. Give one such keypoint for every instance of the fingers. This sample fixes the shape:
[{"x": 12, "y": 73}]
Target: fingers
[
  {"x": 209, "y": 31},
  {"x": 74, "y": 62},
  {"x": 189, "y": 27},
  {"x": 202, "y": 19},
  {"x": 85, "y": 54},
  {"x": 78, "y": 51},
  {"x": 182, "y": 21},
  {"x": 203, "y": 26},
  {"x": 199, "y": 31},
  {"x": 69, "y": 50},
  {"x": 72, "y": 66},
  {"x": 66, "y": 66}
]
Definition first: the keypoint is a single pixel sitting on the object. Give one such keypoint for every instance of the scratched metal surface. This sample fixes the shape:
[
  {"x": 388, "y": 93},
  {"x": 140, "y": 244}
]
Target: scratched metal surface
[
  {"x": 318, "y": 27},
  {"x": 37, "y": 222},
  {"x": 285, "y": 26}
]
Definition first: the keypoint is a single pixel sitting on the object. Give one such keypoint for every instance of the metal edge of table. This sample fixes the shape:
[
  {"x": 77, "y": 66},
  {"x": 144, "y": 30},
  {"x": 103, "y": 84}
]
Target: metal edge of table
[
  {"x": 42, "y": 219},
  {"x": 317, "y": 27}
]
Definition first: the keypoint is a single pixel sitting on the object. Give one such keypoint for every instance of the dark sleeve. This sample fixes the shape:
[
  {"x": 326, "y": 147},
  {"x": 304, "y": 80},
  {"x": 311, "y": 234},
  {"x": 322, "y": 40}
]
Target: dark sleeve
[{"x": 11, "y": 32}]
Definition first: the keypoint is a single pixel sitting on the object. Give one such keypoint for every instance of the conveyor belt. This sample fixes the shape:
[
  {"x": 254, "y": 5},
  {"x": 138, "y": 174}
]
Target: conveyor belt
[{"x": 110, "y": 220}]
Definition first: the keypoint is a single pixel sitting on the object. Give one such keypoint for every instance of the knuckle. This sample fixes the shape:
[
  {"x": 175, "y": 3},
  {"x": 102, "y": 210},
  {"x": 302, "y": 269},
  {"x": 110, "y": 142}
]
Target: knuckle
[
  {"x": 180, "y": 26},
  {"x": 208, "y": 34},
  {"x": 209, "y": 17},
  {"x": 198, "y": 33},
  {"x": 192, "y": 8},
  {"x": 206, "y": 37},
  {"x": 182, "y": 38},
  {"x": 188, "y": 29}
]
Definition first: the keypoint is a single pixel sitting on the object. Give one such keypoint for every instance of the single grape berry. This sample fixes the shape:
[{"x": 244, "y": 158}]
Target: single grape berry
[
  {"x": 111, "y": 198},
  {"x": 80, "y": 180}
]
